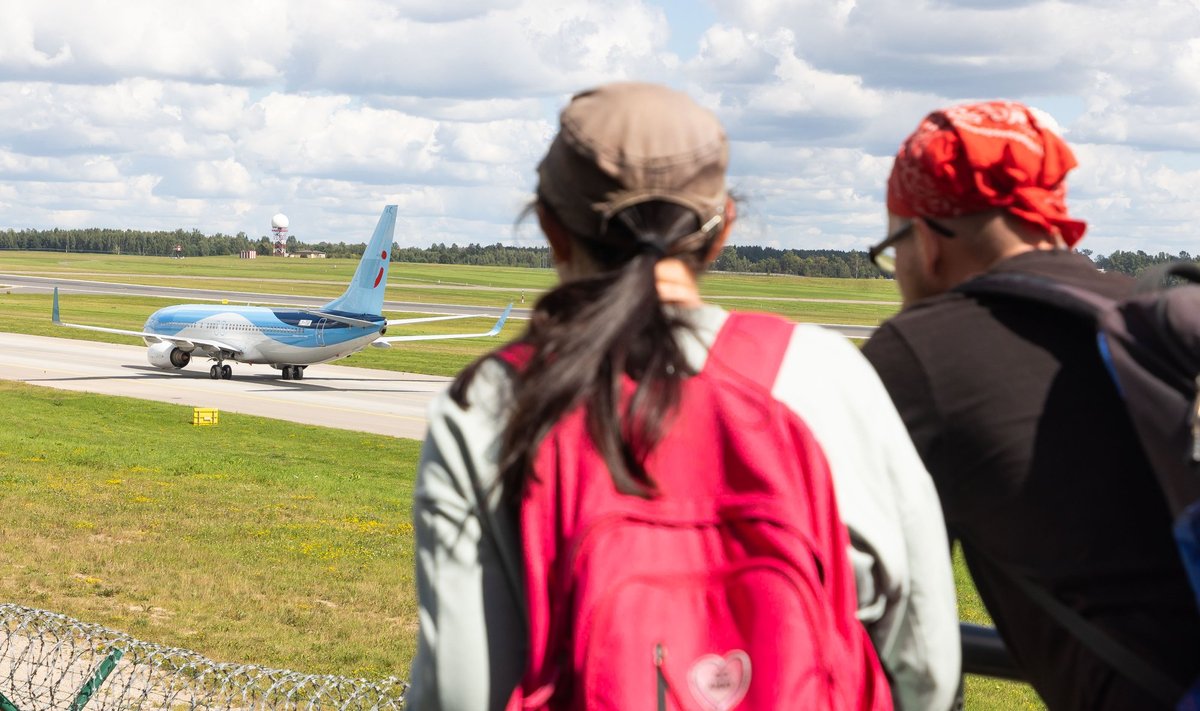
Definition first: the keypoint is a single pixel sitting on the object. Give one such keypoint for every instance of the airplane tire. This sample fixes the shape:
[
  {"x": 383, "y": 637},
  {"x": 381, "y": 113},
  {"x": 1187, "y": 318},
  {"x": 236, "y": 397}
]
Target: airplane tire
[
  {"x": 226, "y": 372},
  {"x": 215, "y": 372},
  {"x": 297, "y": 372},
  {"x": 287, "y": 372}
]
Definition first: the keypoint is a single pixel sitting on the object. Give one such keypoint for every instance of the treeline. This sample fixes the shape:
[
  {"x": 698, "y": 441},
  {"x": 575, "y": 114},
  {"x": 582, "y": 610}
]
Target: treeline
[
  {"x": 745, "y": 259},
  {"x": 763, "y": 260},
  {"x": 191, "y": 243},
  {"x": 1134, "y": 263},
  {"x": 798, "y": 262},
  {"x": 110, "y": 241},
  {"x": 492, "y": 255}
]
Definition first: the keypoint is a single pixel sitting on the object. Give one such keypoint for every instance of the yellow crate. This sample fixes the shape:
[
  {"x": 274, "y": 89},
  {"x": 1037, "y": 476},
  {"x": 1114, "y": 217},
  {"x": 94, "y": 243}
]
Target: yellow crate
[{"x": 204, "y": 416}]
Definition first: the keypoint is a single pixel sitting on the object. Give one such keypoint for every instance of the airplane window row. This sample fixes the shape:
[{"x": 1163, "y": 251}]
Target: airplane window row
[{"x": 236, "y": 327}]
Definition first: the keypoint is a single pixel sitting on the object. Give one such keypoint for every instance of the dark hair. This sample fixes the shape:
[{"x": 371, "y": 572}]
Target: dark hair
[{"x": 586, "y": 334}]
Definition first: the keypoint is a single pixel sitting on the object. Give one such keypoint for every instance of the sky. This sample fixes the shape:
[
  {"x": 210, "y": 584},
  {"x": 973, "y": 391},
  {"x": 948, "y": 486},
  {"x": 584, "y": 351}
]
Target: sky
[{"x": 157, "y": 114}]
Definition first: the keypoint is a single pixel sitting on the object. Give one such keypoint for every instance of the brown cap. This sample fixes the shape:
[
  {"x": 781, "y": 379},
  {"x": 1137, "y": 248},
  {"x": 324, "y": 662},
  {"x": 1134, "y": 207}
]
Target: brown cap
[{"x": 627, "y": 143}]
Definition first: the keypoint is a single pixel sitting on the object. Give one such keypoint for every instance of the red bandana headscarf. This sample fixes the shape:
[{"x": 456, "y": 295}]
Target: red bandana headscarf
[{"x": 977, "y": 157}]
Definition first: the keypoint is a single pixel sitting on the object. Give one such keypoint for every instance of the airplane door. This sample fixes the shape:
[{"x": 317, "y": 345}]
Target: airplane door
[{"x": 321, "y": 331}]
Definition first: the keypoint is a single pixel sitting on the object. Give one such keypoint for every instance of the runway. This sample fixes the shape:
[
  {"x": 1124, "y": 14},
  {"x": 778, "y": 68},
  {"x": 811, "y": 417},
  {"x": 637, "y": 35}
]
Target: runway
[{"x": 379, "y": 401}]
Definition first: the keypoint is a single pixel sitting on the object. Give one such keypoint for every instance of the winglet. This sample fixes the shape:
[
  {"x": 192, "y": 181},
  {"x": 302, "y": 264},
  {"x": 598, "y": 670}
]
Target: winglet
[
  {"x": 500, "y": 324},
  {"x": 54, "y": 310}
]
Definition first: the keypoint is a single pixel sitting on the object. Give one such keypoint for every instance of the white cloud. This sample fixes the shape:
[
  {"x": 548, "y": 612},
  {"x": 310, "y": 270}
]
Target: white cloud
[
  {"x": 1136, "y": 200},
  {"x": 222, "y": 40},
  {"x": 216, "y": 115}
]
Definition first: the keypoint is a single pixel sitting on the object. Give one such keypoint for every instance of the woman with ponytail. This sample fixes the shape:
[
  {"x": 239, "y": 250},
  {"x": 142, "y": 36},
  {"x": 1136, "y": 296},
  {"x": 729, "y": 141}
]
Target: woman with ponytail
[{"x": 632, "y": 199}]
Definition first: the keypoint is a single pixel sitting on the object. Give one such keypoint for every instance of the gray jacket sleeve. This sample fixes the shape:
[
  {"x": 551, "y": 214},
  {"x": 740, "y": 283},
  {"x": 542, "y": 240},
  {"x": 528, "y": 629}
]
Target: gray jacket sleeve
[
  {"x": 888, "y": 502},
  {"x": 471, "y": 641},
  {"x": 472, "y": 632}
]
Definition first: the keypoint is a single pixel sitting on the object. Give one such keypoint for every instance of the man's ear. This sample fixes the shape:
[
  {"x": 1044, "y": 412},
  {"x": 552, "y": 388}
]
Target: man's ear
[
  {"x": 714, "y": 249},
  {"x": 556, "y": 234}
]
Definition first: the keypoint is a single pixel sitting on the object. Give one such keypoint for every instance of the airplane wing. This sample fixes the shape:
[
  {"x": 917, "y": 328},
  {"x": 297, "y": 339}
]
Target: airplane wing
[
  {"x": 341, "y": 319},
  {"x": 186, "y": 344},
  {"x": 391, "y": 322},
  {"x": 427, "y": 319},
  {"x": 386, "y": 341}
]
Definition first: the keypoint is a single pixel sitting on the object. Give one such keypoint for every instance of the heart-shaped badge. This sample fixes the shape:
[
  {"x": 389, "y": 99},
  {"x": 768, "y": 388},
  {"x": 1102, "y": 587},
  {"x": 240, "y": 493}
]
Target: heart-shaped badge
[{"x": 720, "y": 683}]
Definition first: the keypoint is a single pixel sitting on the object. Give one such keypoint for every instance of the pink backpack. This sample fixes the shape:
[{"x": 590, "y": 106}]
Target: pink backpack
[{"x": 732, "y": 589}]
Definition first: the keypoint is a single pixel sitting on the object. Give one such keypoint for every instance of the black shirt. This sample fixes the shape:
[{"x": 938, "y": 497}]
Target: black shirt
[{"x": 1037, "y": 465}]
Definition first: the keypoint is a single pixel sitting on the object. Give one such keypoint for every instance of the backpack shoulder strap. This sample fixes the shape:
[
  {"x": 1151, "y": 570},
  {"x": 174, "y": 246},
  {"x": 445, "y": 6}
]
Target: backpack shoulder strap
[
  {"x": 515, "y": 355},
  {"x": 1030, "y": 287},
  {"x": 752, "y": 345},
  {"x": 1123, "y": 660}
]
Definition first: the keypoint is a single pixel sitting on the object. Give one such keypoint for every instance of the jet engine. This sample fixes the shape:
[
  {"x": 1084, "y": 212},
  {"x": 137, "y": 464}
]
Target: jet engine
[{"x": 167, "y": 356}]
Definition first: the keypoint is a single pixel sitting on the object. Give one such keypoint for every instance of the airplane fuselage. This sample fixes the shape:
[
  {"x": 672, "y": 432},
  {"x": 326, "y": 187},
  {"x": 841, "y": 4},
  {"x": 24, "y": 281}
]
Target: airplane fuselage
[
  {"x": 275, "y": 336},
  {"x": 285, "y": 338}
]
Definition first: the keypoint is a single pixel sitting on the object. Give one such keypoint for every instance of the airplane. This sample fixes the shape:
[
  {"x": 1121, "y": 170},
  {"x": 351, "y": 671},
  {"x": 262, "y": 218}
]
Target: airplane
[{"x": 286, "y": 338}]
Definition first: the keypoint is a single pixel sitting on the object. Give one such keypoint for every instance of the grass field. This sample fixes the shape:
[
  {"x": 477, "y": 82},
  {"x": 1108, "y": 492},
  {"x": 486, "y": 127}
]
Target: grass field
[
  {"x": 424, "y": 283},
  {"x": 254, "y": 541},
  {"x": 263, "y": 541},
  {"x": 477, "y": 286}
]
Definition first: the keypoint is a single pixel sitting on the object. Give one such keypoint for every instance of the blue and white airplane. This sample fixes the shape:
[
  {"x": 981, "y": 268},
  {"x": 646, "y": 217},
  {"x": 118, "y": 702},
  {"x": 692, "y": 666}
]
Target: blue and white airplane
[{"x": 285, "y": 338}]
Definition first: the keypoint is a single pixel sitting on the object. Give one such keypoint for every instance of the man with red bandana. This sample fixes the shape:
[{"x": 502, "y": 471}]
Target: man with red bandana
[{"x": 1007, "y": 400}]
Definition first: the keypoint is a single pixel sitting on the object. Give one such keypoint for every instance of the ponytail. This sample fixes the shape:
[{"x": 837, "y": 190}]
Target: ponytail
[{"x": 588, "y": 334}]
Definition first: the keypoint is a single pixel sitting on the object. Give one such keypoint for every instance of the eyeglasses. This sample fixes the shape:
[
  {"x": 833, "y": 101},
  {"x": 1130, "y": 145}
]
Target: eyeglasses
[{"x": 883, "y": 255}]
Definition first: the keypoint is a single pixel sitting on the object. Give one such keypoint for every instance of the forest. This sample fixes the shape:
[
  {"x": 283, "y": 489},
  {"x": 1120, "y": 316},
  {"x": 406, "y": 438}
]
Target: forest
[{"x": 739, "y": 258}]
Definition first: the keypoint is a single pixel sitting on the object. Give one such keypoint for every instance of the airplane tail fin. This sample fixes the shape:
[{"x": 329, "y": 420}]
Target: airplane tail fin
[{"x": 364, "y": 295}]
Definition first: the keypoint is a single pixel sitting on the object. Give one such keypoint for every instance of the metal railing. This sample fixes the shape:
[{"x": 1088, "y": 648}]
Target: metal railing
[{"x": 984, "y": 653}]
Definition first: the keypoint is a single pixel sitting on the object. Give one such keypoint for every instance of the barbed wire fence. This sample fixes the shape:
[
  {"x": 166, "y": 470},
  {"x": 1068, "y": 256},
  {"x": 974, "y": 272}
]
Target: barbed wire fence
[{"x": 51, "y": 661}]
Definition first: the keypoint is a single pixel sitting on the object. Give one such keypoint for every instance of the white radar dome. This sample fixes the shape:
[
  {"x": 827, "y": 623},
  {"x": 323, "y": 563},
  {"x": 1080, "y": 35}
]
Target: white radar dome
[{"x": 279, "y": 221}]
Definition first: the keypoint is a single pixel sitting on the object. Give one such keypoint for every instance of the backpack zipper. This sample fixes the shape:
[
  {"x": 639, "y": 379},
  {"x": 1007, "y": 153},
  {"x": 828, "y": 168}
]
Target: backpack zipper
[{"x": 660, "y": 653}]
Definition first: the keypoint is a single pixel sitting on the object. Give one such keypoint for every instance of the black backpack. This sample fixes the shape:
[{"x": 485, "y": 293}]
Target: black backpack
[{"x": 1150, "y": 345}]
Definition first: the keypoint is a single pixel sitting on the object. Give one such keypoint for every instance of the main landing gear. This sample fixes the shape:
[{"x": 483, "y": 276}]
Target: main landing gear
[
  {"x": 220, "y": 372},
  {"x": 292, "y": 372}
]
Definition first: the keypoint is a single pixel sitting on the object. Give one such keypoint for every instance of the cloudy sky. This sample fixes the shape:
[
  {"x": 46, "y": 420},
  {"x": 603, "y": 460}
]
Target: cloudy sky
[{"x": 156, "y": 114}]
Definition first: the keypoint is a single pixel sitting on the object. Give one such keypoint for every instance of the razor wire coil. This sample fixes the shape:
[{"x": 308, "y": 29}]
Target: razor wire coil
[{"x": 51, "y": 661}]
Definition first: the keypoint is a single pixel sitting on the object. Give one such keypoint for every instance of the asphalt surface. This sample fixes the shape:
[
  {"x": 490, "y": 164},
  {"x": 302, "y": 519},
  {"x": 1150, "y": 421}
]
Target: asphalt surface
[{"x": 380, "y": 401}]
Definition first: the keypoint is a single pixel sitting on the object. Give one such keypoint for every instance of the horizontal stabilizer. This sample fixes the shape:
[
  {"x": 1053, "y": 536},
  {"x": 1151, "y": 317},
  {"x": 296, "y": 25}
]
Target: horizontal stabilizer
[
  {"x": 427, "y": 319},
  {"x": 495, "y": 330}
]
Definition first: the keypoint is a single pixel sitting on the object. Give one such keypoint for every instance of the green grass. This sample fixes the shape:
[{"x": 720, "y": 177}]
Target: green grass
[
  {"x": 263, "y": 541},
  {"x": 426, "y": 283},
  {"x": 430, "y": 283},
  {"x": 253, "y": 541},
  {"x": 986, "y": 693}
]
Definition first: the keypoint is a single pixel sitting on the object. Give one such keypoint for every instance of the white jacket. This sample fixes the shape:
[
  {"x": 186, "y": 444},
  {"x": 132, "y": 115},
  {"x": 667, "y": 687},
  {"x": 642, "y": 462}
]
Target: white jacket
[{"x": 472, "y": 638}]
